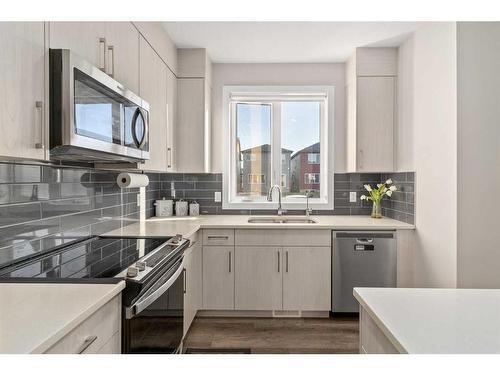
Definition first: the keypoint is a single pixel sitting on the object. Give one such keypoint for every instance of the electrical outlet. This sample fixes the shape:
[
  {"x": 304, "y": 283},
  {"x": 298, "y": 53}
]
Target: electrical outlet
[
  {"x": 218, "y": 196},
  {"x": 352, "y": 197}
]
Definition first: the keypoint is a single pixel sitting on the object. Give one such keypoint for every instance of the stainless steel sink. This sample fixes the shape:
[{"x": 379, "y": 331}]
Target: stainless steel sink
[{"x": 281, "y": 220}]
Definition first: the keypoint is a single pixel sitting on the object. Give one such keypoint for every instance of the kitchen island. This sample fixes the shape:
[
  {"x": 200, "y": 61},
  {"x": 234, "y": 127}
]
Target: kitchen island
[{"x": 429, "y": 321}]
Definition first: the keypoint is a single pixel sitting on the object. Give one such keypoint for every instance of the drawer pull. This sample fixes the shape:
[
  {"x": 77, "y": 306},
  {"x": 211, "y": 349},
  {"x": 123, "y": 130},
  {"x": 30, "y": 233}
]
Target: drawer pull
[
  {"x": 218, "y": 237},
  {"x": 229, "y": 262},
  {"x": 88, "y": 341}
]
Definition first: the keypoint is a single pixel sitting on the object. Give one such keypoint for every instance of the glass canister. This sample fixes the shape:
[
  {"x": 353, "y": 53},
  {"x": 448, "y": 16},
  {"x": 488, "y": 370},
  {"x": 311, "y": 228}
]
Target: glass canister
[{"x": 194, "y": 209}]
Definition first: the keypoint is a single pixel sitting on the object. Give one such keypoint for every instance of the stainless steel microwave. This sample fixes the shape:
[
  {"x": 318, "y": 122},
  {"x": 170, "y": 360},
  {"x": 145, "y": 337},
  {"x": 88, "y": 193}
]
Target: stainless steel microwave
[{"x": 94, "y": 118}]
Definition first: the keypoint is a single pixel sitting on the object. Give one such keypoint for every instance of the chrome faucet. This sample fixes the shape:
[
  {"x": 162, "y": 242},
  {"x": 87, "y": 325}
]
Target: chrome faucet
[{"x": 281, "y": 211}]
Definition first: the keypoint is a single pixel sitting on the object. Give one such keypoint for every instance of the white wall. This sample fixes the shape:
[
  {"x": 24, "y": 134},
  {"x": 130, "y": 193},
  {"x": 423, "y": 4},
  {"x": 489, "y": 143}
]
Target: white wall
[
  {"x": 478, "y": 154},
  {"x": 427, "y": 119},
  {"x": 278, "y": 74}
]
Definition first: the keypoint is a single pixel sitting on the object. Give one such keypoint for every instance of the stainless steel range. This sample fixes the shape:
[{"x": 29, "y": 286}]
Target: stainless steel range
[{"x": 153, "y": 299}]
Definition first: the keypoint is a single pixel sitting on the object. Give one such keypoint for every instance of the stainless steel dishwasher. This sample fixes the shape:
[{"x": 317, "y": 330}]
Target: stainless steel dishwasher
[{"x": 361, "y": 259}]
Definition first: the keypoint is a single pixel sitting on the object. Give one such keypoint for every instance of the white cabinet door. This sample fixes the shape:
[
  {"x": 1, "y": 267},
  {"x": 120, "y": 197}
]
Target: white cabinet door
[
  {"x": 193, "y": 274},
  {"x": 258, "y": 278},
  {"x": 123, "y": 53},
  {"x": 191, "y": 131},
  {"x": 22, "y": 75},
  {"x": 171, "y": 120},
  {"x": 81, "y": 38},
  {"x": 307, "y": 278},
  {"x": 375, "y": 124},
  {"x": 218, "y": 277},
  {"x": 153, "y": 89}
]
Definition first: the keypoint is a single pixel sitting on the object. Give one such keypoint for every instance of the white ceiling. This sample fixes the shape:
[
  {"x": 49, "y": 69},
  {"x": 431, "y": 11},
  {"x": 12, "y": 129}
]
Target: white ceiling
[{"x": 286, "y": 42}]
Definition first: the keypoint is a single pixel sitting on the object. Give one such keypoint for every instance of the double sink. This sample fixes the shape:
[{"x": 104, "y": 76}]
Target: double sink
[{"x": 281, "y": 220}]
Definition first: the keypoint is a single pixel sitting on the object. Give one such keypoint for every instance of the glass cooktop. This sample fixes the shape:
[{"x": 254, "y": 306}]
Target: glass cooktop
[{"x": 93, "y": 258}]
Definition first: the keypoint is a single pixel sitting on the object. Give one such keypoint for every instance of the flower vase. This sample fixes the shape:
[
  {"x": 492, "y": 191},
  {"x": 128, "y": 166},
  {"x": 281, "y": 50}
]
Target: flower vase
[{"x": 377, "y": 210}]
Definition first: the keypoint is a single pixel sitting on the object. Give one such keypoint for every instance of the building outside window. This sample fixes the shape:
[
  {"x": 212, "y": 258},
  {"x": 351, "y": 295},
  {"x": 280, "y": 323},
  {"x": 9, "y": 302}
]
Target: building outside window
[{"x": 277, "y": 135}]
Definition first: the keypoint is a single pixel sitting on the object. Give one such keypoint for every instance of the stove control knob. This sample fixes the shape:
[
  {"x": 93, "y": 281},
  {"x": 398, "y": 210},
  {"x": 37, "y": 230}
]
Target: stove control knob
[
  {"x": 141, "y": 266},
  {"x": 132, "y": 271}
]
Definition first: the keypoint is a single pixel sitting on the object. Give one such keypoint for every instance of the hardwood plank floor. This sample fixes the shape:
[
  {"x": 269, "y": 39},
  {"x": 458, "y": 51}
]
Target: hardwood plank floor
[{"x": 275, "y": 335}]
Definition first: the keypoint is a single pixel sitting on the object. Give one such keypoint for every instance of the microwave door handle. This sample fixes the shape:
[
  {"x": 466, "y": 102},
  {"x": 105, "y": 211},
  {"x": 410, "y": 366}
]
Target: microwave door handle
[
  {"x": 144, "y": 302},
  {"x": 146, "y": 130},
  {"x": 139, "y": 144}
]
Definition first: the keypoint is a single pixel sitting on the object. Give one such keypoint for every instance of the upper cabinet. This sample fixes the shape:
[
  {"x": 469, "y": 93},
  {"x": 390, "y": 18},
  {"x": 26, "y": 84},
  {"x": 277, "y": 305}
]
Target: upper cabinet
[
  {"x": 371, "y": 77},
  {"x": 153, "y": 89},
  {"x": 111, "y": 46},
  {"x": 193, "y": 127},
  {"x": 22, "y": 90},
  {"x": 171, "y": 120}
]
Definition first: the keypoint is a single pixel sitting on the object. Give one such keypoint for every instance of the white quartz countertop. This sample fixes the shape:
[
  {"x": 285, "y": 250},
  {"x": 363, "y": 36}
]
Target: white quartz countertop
[
  {"x": 156, "y": 226},
  {"x": 436, "y": 321},
  {"x": 34, "y": 316}
]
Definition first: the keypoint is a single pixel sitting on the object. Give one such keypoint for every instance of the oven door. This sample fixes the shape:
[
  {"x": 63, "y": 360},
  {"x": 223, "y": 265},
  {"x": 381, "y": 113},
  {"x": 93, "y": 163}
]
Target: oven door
[{"x": 154, "y": 322}]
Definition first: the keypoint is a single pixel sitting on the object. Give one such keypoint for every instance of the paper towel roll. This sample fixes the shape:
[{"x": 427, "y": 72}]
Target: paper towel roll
[{"x": 132, "y": 180}]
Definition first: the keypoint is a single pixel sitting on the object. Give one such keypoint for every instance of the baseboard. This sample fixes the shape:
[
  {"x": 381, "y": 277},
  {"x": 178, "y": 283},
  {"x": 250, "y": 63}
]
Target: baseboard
[{"x": 262, "y": 314}]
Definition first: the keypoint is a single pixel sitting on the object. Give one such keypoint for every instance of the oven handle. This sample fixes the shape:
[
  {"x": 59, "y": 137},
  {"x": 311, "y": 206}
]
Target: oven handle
[{"x": 143, "y": 303}]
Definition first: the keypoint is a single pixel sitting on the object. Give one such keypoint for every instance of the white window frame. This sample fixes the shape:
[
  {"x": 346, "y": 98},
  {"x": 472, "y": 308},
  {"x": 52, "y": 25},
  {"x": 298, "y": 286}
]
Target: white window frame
[{"x": 275, "y": 94}]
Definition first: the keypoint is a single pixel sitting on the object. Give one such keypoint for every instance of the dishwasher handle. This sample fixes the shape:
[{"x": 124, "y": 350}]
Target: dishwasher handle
[{"x": 364, "y": 241}]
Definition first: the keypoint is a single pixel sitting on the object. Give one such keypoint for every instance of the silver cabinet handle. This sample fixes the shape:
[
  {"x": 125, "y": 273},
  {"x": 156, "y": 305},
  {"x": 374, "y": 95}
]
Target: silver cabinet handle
[
  {"x": 169, "y": 156},
  {"x": 360, "y": 162},
  {"x": 111, "y": 60},
  {"x": 218, "y": 237},
  {"x": 88, "y": 341},
  {"x": 39, "y": 111},
  {"x": 230, "y": 262},
  {"x": 286, "y": 255},
  {"x": 278, "y": 261},
  {"x": 102, "y": 54},
  {"x": 185, "y": 281}
]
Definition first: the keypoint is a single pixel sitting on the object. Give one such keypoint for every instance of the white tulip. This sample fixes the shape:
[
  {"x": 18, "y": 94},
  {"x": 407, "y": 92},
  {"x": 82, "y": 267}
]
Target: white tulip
[
  {"x": 379, "y": 185},
  {"x": 368, "y": 187},
  {"x": 389, "y": 181},
  {"x": 363, "y": 197},
  {"x": 389, "y": 193},
  {"x": 393, "y": 188}
]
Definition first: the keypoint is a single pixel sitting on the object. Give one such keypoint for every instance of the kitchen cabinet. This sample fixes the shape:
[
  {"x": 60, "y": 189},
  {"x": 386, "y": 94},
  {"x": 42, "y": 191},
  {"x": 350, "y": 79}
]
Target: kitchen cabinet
[
  {"x": 371, "y": 339},
  {"x": 153, "y": 89},
  {"x": 22, "y": 90},
  {"x": 258, "y": 278},
  {"x": 218, "y": 277},
  {"x": 171, "y": 121},
  {"x": 307, "y": 278},
  {"x": 371, "y": 76},
  {"x": 122, "y": 53},
  {"x": 193, "y": 263},
  {"x": 86, "y": 39},
  {"x": 99, "y": 333},
  {"x": 193, "y": 131},
  {"x": 111, "y": 46}
]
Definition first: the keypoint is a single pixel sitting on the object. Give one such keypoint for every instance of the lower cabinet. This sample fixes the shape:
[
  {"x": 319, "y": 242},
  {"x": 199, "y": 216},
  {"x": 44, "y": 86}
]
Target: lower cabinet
[
  {"x": 193, "y": 283},
  {"x": 258, "y": 278},
  {"x": 371, "y": 338},
  {"x": 99, "y": 333},
  {"x": 307, "y": 278},
  {"x": 218, "y": 277}
]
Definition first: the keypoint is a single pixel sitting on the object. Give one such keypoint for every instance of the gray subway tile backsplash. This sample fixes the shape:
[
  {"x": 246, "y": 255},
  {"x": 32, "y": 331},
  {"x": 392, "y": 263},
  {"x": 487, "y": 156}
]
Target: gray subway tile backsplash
[
  {"x": 202, "y": 187},
  {"x": 42, "y": 206}
]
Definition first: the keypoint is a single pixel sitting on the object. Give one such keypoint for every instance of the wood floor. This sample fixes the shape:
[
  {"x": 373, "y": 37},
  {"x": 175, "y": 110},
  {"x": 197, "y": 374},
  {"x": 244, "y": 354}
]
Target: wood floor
[{"x": 273, "y": 335}]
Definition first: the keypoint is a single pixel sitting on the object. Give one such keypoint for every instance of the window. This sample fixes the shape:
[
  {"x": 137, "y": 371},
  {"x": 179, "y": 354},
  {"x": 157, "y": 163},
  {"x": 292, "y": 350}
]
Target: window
[
  {"x": 313, "y": 158},
  {"x": 311, "y": 178},
  {"x": 277, "y": 135}
]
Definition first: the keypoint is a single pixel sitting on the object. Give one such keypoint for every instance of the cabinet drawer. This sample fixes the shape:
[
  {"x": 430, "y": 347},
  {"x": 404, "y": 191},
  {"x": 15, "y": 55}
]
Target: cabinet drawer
[
  {"x": 282, "y": 237},
  {"x": 218, "y": 237},
  {"x": 98, "y": 329}
]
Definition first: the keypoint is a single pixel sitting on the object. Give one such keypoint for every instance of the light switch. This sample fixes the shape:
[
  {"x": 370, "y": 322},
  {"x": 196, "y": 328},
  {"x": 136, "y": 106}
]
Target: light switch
[
  {"x": 218, "y": 196},
  {"x": 352, "y": 197}
]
